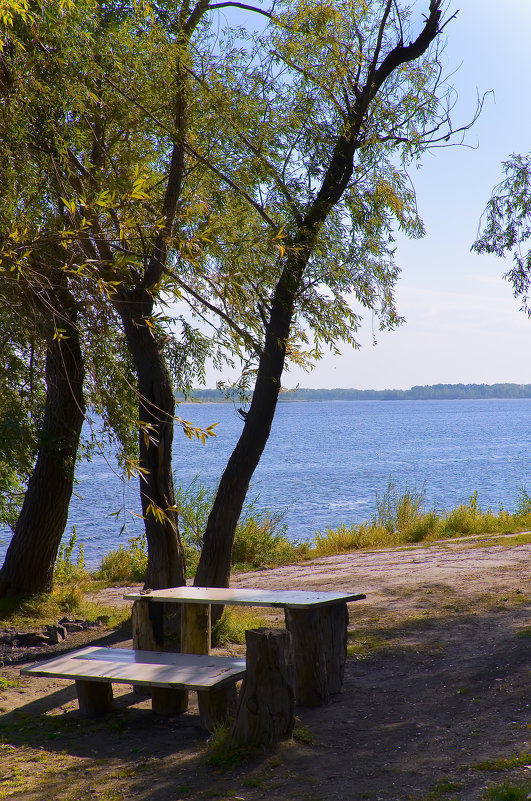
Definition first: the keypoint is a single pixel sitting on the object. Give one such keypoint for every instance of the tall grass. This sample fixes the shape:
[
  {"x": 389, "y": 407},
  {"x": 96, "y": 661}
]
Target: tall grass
[
  {"x": 261, "y": 540},
  {"x": 402, "y": 519}
]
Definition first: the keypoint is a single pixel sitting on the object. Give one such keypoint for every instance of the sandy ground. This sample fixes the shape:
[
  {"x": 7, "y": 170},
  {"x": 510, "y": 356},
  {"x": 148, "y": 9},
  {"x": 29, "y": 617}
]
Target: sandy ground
[{"x": 435, "y": 703}]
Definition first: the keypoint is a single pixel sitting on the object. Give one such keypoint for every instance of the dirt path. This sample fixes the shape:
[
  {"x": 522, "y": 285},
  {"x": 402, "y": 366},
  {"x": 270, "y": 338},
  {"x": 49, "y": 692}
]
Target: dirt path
[{"x": 435, "y": 704}]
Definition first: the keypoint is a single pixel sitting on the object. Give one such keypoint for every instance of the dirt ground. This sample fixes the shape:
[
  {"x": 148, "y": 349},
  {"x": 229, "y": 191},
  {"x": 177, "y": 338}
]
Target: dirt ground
[{"x": 435, "y": 703}]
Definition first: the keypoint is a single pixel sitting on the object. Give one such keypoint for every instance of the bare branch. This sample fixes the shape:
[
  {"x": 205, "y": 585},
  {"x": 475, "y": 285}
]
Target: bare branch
[
  {"x": 243, "y": 6},
  {"x": 263, "y": 214},
  {"x": 249, "y": 341}
]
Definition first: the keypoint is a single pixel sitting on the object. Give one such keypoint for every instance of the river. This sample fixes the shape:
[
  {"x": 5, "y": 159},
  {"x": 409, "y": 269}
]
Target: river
[{"x": 327, "y": 462}]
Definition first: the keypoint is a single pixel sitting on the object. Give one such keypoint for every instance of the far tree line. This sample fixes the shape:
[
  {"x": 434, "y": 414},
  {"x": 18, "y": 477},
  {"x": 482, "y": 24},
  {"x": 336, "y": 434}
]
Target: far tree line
[
  {"x": 161, "y": 177},
  {"x": 426, "y": 392}
]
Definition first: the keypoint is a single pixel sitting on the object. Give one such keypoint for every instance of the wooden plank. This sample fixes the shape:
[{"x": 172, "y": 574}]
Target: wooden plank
[
  {"x": 246, "y": 597},
  {"x": 122, "y": 666}
]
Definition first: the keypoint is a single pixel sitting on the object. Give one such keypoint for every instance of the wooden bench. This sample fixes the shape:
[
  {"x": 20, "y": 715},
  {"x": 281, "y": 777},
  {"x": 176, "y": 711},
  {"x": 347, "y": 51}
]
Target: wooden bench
[{"x": 169, "y": 676}]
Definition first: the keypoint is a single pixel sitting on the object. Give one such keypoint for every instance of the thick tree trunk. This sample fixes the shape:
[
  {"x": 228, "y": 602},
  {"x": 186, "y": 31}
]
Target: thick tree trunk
[
  {"x": 214, "y": 565},
  {"x": 156, "y": 404},
  {"x": 30, "y": 558}
]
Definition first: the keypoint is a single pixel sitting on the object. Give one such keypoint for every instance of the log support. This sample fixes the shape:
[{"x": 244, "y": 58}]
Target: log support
[
  {"x": 195, "y": 628},
  {"x": 266, "y": 704},
  {"x": 217, "y": 706},
  {"x": 166, "y": 701},
  {"x": 148, "y": 626},
  {"x": 320, "y": 647},
  {"x": 94, "y": 697}
]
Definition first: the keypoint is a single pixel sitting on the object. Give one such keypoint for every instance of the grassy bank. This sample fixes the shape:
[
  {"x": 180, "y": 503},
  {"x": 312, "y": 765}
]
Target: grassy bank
[
  {"x": 261, "y": 539},
  {"x": 261, "y": 542}
]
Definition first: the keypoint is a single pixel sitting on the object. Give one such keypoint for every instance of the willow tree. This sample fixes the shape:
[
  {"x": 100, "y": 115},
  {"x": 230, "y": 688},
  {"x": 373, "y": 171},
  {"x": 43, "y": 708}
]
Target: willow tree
[
  {"x": 343, "y": 97},
  {"x": 92, "y": 191},
  {"x": 507, "y": 227}
]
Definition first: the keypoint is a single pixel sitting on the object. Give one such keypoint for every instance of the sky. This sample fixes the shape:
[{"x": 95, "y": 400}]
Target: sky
[{"x": 463, "y": 324}]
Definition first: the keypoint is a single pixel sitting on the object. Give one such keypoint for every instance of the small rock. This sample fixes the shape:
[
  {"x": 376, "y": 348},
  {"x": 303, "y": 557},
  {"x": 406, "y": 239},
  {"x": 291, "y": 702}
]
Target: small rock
[
  {"x": 34, "y": 638},
  {"x": 56, "y": 633}
]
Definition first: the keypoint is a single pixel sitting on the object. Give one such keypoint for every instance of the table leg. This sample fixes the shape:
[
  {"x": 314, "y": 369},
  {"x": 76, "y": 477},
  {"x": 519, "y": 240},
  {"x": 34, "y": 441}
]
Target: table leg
[
  {"x": 334, "y": 625},
  {"x": 311, "y": 682},
  {"x": 94, "y": 697},
  {"x": 320, "y": 645},
  {"x": 167, "y": 701},
  {"x": 148, "y": 626},
  {"x": 195, "y": 628}
]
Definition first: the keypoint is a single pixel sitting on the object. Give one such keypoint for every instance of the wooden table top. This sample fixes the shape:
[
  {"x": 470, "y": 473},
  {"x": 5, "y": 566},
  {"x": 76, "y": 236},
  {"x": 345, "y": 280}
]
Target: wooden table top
[{"x": 296, "y": 599}]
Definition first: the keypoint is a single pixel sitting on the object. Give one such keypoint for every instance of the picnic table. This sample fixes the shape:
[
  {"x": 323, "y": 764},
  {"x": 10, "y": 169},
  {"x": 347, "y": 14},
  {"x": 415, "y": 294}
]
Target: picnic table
[{"x": 317, "y": 622}]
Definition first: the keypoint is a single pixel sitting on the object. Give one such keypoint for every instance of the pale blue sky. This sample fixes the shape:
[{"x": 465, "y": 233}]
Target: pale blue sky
[{"x": 462, "y": 322}]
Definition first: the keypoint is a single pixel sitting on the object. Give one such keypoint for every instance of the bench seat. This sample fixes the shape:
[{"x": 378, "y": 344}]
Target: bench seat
[{"x": 169, "y": 675}]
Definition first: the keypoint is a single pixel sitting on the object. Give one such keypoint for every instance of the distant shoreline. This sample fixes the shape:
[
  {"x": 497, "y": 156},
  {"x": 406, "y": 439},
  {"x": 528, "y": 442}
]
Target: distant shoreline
[{"x": 429, "y": 392}]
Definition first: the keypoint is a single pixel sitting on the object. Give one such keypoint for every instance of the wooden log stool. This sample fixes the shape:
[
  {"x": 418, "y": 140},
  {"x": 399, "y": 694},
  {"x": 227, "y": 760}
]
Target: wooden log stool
[{"x": 266, "y": 703}]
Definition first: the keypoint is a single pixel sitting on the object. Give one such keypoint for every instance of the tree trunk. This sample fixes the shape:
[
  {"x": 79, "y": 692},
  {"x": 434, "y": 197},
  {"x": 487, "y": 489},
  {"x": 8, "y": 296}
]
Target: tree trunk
[
  {"x": 156, "y": 409},
  {"x": 214, "y": 565},
  {"x": 30, "y": 558}
]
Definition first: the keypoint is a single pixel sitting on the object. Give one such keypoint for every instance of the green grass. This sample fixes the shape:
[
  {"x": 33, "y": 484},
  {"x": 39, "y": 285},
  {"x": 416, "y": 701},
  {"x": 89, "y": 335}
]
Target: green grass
[
  {"x": 126, "y": 564},
  {"x": 223, "y": 754},
  {"x": 5, "y": 683},
  {"x": 505, "y": 763},
  {"x": 41, "y": 610},
  {"x": 232, "y": 625},
  {"x": 509, "y": 791},
  {"x": 402, "y": 520}
]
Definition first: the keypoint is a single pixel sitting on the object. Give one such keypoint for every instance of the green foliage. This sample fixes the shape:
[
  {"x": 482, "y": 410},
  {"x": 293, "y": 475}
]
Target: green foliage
[
  {"x": 302, "y": 734},
  {"x": 505, "y": 763},
  {"x": 223, "y": 754},
  {"x": 40, "y": 610},
  {"x": 232, "y": 625},
  {"x": 260, "y": 539},
  {"x": 347, "y": 538},
  {"x": 508, "y": 224},
  {"x": 400, "y": 512},
  {"x": 5, "y": 683},
  {"x": 509, "y": 791},
  {"x": 67, "y": 569},
  {"x": 401, "y": 519},
  {"x": 126, "y": 564},
  {"x": 523, "y": 504}
]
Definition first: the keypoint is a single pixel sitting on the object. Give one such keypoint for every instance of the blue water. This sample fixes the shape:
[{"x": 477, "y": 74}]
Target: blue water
[{"x": 326, "y": 463}]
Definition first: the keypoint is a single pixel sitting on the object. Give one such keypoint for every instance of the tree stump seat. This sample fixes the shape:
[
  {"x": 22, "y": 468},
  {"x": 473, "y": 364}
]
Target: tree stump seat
[{"x": 169, "y": 676}]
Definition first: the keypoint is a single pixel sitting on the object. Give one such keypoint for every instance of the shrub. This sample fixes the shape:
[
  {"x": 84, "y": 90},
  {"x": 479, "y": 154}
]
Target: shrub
[
  {"x": 262, "y": 542},
  {"x": 68, "y": 570},
  {"x": 125, "y": 564},
  {"x": 398, "y": 512},
  {"x": 260, "y": 539}
]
